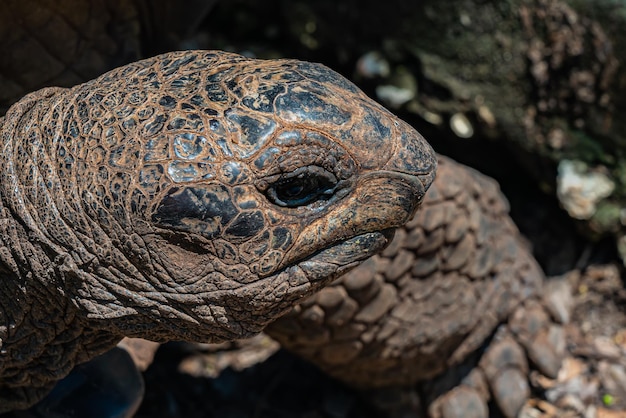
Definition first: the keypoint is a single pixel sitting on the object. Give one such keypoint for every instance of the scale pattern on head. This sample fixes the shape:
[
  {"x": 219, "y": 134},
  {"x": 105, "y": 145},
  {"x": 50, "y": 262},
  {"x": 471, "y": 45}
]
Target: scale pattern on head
[
  {"x": 192, "y": 196},
  {"x": 210, "y": 189}
]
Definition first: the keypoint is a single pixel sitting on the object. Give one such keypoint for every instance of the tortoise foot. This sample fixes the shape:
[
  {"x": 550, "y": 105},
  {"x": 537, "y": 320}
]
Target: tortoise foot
[
  {"x": 500, "y": 377},
  {"x": 461, "y": 402}
]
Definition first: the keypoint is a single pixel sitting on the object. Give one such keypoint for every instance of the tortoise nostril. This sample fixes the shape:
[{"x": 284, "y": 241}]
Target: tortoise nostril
[{"x": 413, "y": 155}]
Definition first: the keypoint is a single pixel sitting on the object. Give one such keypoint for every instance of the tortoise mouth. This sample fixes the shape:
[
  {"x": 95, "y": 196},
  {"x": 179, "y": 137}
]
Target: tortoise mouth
[
  {"x": 353, "y": 248},
  {"x": 331, "y": 262}
]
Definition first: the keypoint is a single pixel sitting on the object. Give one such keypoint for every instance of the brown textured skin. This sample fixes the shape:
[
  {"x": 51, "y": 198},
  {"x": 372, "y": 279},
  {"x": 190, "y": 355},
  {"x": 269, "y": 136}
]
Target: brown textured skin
[
  {"x": 66, "y": 42},
  {"x": 62, "y": 42},
  {"x": 420, "y": 310},
  {"x": 150, "y": 202}
]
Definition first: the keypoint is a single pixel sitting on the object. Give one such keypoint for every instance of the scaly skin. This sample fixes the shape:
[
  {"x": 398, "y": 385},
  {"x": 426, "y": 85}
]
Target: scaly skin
[
  {"x": 63, "y": 43},
  {"x": 193, "y": 196},
  {"x": 456, "y": 291}
]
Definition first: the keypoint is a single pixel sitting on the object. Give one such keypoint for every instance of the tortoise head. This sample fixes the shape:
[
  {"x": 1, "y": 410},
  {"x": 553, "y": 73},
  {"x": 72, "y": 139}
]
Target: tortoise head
[{"x": 226, "y": 189}]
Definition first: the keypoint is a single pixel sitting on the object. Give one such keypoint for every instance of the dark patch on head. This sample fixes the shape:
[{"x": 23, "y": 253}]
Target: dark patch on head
[
  {"x": 264, "y": 101},
  {"x": 189, "y": 121},
  {"x": 155, "y": 125},
  {"x": 189, "y": 146},
  {"x": 124, "y": 156},
  {"x": 231, "y": 171},
  {"x": 225, "y": 147},
  {"x": 373, "y": 119},
  {"x": 129, "y": 124},
  {"x": 136, "y": 98},
  {"x": 71, "y": 128},
  {"x": 184, "y": 81},
  {"x": 248, "y": 204},
  {"x": 150, "y": 177},
  {"x": 203, "y": 210},
  {"x": 309, "y": 106},
  {"x": 267, "y": 263},
  {"x": 112, "y": 101},
  {"x": 124, "y": 111},
  {"x": 217, "y": 127},
  {"x": 246, "y": 225},
  {"x": 216, "y": 93},
  {"x": 225, "y": 250},
  {"x": 267, "y": 157},
  {"x": 150, "y": 77},
  {"x": 323, "y": 74},
  {"x": 281, "y": 238},
  {"x": 259, "y": 246},
  {"x": 284, "y": 74},
  {"x": 157, "y": 149},
  {"x": 138, "y": 201},
  {"x": 169, "y": 67},
  {"x": 253, "y": 132},
  {"x": 377, "y": 134},
  {"x": 145, "y": 112},
  {"x": 231, "y": 84},
  {"x": 198, "y": 101},
  {"x": 244, "y": 198},
  {"x": 168, "y": 102},
  {"x": 118, "y": 186}
]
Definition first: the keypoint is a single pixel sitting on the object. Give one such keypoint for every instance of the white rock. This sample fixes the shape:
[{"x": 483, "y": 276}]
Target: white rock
[
  {"x": 394, "y": 96},
  {"x": 373, "y": 64},
  {"x": 461, "y": 126},
  {"x": 579, "y": 189}
]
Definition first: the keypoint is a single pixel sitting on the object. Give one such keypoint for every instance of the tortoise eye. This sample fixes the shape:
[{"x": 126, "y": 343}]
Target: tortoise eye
[{"x": 301, "y": 187}]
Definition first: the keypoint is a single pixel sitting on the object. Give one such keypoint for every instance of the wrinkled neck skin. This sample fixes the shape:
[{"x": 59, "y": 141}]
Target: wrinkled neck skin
[
  {"x": 76, "y": 279},
  {"x": 42, "y": 332}
]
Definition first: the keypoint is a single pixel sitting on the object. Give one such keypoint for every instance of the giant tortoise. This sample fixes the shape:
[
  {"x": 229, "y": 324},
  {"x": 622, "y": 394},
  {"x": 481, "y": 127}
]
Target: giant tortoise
[
  {"x": 199, "y": 196},
  {"x": 193, "y": 196}
]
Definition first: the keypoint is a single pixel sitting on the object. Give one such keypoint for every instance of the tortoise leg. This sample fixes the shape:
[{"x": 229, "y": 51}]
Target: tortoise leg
[
  {"x": 108, "y": 386},
  {"x": 529, "y": 340},
  {"x": 460, "y": 392},
  {"x": 462, "y": 401},
  {"x": 499, "y": 377}
]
